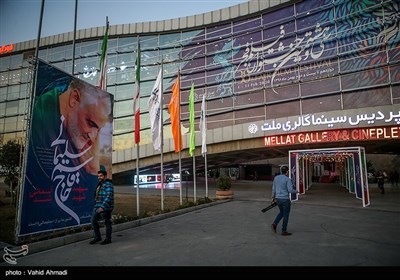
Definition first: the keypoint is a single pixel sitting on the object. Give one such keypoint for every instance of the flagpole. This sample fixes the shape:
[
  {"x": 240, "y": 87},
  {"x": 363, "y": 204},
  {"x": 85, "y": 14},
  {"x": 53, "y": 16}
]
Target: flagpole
[
  {"x": 203, "y": 132},
  {"x": 103, "y": 59},
  {"x": 192, "y": 144},
  {"x": 137, "y": 181},
  {"x": 205, "y": 166},
  {"x": 73, "y": 41},
  {"x": 194, "y": 179},
  {"x": 205, "y": 140},
  {"x": 194, "y": 168},
  {"x": 179, "y": 140},
  {"x": 136, "y": 124},
  {"x": 29, "y": 124},
  {"x": 162, "y": 137}
]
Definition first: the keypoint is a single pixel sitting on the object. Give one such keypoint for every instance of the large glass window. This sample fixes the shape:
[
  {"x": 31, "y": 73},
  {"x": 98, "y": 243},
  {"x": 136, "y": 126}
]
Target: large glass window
[
  {"x": 22, "y": 109},
  {"x": 283, "y": 110},
  {"x": 16, "y": 61},
  {"x": 149, "y": 42},
  {"x": 127, "y": 44},
  {"x": 5, "y": 63},
  {"x": 13, "y": 92},
  {"x": 10, "y": 123},
  {"x": 4, "y": 78},
  {"x": 321, "y": 104},
  {"x": 3, "y": 93},
  {"x": 57, "y": 53},
  {"x": 123, "y": 125},
  {"x": 1, "y": 124},
  {"x": 90, "y": 48},
  {"x": 2, "y": 109},
  {"x": 124, "y": 92},
  {"x": 322, "y": 86},
  {"x": 12, "y": 108},
  {"x": 170, "y": 40},
  {"x": 26, "y": 75},
  {"x": 253, "y": 114},
  {"x": 169, "y": 55},
  {"x": 366, "y": 98},
  {"x": 14, "y": 77},
  {"x": 125, "y": 69},
  {"x": 123, "y": 108}
]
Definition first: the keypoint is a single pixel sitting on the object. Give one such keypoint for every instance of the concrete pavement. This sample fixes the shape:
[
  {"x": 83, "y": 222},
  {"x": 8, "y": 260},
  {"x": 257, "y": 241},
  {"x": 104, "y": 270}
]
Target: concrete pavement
[{"x": 330, "y": 228}]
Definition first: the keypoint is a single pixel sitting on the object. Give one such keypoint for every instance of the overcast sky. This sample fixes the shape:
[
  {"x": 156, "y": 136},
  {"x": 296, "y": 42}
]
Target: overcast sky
[{"x": 19, "y": 19}]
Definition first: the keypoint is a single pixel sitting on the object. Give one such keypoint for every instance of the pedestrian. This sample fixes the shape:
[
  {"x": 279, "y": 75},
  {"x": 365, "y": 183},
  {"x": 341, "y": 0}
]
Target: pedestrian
[
  {"x": 104, "y": 205},
  {"x": 381, "y": 181},
  {"x": 282, "y": 187},
  {"x": 396, "y": 177}
]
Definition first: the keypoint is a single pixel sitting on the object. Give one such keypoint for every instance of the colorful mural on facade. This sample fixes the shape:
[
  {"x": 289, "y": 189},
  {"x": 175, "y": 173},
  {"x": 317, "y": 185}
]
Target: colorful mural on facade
[{"x": 292, "y": 53}]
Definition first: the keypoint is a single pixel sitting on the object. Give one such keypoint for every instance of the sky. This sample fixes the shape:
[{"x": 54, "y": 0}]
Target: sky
[{"x": 19, "y": 19}]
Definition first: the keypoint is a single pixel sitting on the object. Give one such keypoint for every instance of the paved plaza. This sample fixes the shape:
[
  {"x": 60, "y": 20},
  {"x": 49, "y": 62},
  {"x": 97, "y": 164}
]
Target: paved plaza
[{"x": 330, "y": 228}]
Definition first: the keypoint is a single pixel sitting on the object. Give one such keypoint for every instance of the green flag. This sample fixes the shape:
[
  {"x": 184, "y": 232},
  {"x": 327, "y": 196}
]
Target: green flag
[
  {"x": 103, "y": 60},
  {"x": 192, "y": 146}
]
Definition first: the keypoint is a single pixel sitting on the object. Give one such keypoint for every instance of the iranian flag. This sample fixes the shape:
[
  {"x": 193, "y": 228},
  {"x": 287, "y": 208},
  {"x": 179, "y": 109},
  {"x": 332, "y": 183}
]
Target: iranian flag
[
  {"x": 103, "y": 61},
  {"x": 136, "y": 103}
]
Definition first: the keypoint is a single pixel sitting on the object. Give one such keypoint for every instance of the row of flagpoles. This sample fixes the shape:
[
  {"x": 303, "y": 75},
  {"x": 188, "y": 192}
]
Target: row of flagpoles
[{"x": 155, "y": 106}]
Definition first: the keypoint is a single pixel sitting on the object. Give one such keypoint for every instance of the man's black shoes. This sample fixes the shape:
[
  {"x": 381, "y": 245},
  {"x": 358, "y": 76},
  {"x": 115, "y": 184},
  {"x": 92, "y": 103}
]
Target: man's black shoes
[
  {"x": 273, "y": 227},
  {"x": 95, "y": 241},
  {"x": 106, "y": 241}
]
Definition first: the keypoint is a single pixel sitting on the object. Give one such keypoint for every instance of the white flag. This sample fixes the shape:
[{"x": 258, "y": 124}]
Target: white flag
[
  {"x": 155, "y": 113},
  {"x": 203, "y": 127}
]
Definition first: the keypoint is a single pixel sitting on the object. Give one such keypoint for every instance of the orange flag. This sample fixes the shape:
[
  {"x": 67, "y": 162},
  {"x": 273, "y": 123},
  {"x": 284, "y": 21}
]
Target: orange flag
[{"x": 174, "y": 111}]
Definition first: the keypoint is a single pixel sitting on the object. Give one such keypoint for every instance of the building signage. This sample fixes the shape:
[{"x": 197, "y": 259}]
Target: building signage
[
  {"x": 355, "y": 134},
  {"x": 6, "y": 48},
  {"x": 329, "y": 122}
]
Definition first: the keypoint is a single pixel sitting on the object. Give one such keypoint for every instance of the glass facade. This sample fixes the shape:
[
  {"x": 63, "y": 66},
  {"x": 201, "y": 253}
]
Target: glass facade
[{"x": 304, "y": 58}]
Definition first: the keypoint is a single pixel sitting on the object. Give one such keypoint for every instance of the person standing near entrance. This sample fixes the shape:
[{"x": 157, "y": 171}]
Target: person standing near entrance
[
  {"x": 104, "y": 205},
  {"x": 381, "y": 181},
  {"x": 282, "y": 187}
]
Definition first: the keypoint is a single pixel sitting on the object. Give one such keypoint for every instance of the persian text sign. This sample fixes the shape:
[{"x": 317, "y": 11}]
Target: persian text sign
[{"x": 355, "y": 134}]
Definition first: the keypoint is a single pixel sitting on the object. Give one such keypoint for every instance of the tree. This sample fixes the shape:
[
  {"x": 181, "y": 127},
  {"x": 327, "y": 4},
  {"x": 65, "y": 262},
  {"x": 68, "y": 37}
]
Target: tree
[{"x": 10, "y": 164}]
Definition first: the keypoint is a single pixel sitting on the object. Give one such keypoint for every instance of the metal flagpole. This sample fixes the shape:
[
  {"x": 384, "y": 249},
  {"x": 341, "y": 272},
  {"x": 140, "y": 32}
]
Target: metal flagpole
[
  {"x": 73, "y": 41},
  {"x": 193, "y": 155},
  {"x": 29, "y": 127},
  {"x": 162, "y": 137},
  {"x": 179, "y": 140},
  {"x": 205, "y": 154},
  {"x": 205, "y": 166},
  {"x": 137, "y": 181},
  {"x": 194, "y": 178}
]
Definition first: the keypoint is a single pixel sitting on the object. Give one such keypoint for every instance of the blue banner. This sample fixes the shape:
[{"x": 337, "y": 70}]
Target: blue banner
[{"x": 70, "y": 140}]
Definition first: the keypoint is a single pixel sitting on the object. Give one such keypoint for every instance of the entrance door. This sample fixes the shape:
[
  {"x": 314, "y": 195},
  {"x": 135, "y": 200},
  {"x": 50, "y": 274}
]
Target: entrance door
[{"x": 351, "y": 159}]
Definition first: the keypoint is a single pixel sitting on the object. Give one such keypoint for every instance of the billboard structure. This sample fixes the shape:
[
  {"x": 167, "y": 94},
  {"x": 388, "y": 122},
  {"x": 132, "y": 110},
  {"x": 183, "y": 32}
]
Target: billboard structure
[{"x": 70, "y": 140}]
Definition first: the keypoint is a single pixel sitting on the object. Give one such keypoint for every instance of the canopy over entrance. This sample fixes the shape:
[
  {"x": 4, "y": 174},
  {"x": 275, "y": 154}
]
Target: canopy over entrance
[{"x": 350, "y": 169}]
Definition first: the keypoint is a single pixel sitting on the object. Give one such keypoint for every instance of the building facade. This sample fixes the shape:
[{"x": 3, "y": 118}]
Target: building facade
[{"x": 286, "y": 72}]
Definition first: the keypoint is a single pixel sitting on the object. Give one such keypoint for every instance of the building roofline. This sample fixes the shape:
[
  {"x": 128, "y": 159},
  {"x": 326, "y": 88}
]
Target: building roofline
[{"x": 188, "y": 22}]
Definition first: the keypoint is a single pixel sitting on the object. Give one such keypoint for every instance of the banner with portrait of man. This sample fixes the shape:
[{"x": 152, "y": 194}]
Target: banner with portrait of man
[{"x": 70, "y": 140}]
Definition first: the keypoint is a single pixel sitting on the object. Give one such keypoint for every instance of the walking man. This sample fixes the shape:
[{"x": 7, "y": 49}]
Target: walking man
[
  {"x": 104, "y": 205},
  {"x": 282, "y": 187}
]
